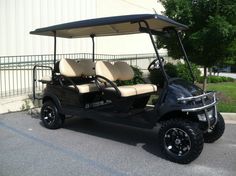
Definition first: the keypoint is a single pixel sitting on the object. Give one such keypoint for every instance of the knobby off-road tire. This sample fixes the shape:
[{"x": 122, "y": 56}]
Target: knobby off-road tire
[
  {"x": 50, "y": 116},
  {"x": 180, "y": 141},
  {"x": 214, "y": 134}
]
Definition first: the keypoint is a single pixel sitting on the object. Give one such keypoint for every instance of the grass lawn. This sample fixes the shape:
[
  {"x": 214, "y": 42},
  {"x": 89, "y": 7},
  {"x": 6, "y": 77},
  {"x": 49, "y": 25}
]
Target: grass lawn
[{"x": 226, "y": 92}]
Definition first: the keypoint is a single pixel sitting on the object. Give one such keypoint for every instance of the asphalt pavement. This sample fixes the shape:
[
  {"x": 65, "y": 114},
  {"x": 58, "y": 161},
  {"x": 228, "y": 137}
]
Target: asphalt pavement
[{"x": 86, "y": 147}]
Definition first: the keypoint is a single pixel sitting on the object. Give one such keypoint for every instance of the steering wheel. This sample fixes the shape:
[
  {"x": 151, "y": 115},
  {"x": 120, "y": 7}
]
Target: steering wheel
[{"x": 155, "y": 64}]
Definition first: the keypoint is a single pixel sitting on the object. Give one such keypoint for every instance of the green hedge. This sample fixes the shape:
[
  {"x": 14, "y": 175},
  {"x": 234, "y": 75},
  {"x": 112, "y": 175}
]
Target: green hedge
[
  {"x": 183, "y": 72},
  {"x": 216, "y": 79}
]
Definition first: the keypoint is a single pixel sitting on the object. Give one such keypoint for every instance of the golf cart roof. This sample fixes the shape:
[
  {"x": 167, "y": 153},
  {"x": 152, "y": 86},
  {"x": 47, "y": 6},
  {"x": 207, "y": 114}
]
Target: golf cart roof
[{"x": 109, "y": 26}]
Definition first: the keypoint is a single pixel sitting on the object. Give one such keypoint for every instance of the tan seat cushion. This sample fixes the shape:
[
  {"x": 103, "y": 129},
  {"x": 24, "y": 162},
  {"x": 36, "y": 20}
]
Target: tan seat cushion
[
  {"x": 144, "y": 88},
  {"x": 70, "y": 68},
  {"x": 132, "y": 90},
  {"x": 125, "y": 91},
  {"x": 122, "y": 71},
  {"x": 86, "y": 88},
  {"x": 125, "y": 71},
  {"x": 88, "y": 67},
  {"x": 107, "y": 70}
]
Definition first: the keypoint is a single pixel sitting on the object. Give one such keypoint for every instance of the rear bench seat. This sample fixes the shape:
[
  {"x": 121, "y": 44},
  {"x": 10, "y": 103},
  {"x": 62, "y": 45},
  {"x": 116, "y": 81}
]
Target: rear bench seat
[
  {"x": 122, "y": 71},
  {"x": 70, "y": 68}
]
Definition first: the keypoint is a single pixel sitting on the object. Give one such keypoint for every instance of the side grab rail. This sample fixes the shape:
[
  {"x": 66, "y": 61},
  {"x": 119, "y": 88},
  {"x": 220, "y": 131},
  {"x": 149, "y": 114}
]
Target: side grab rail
[{"x": 35, "y": 79}]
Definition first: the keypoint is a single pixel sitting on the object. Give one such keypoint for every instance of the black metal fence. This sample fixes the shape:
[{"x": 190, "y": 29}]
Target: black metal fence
[{"x": 16, "y": 71}]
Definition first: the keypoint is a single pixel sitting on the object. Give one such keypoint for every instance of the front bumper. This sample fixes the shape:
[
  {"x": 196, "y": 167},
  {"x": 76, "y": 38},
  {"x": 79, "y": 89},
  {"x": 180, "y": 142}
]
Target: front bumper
[{"x": 204, "y": 106}]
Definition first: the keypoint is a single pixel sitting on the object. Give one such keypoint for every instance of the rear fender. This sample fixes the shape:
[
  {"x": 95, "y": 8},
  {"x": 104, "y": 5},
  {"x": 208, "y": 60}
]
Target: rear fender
[{"x": 54, "y": 99}]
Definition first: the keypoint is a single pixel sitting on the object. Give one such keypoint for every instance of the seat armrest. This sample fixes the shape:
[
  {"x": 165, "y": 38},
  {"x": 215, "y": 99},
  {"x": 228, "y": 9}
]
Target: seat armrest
[
  {"x": 70, "y": 81},
  {"x": 98, "y": 82}
]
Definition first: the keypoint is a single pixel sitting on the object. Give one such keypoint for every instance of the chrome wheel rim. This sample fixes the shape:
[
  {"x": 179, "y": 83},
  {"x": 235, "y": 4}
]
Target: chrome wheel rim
[
  {"x": 49, "y": 115},
  {"x": 177, "y": 142}
]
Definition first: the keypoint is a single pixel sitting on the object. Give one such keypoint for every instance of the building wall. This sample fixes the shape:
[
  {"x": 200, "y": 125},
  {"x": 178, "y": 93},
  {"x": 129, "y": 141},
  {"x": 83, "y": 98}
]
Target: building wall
[{"x": 19, "y": 17}]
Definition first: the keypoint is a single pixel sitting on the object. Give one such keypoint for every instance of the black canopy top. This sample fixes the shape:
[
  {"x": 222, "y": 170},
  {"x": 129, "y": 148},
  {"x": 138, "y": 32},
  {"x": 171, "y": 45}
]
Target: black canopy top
[{"x": 109, "y": 26}]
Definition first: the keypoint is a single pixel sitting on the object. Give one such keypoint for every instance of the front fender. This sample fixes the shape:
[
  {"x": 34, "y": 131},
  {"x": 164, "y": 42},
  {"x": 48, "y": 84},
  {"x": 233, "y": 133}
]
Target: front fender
[
  {"x": 175, "y": 89},
  {"x": 165, "y": 109}
]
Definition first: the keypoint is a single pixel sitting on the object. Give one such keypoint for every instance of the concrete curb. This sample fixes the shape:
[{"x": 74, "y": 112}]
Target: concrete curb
[
  {"x": 14, "y": 104},
  {"x": 229, "y": 117}
]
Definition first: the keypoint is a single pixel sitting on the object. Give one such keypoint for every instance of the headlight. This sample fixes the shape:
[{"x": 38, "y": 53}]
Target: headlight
[
  {"x": 210, "y": 114},
  {"x": 202, "y": 116}
]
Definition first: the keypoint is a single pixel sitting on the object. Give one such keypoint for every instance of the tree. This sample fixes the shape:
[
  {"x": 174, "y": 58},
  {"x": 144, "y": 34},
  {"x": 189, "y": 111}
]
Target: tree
[{"x": 211, "y": 37}]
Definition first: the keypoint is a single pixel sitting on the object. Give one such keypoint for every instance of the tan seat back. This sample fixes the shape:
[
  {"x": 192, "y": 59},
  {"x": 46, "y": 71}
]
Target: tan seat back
[
  {"x": 106, "y": 70},
  {"x": 70, "y": 68},
  {"x": 88, "y": 67},
  {"x": 125, "y": 71}
]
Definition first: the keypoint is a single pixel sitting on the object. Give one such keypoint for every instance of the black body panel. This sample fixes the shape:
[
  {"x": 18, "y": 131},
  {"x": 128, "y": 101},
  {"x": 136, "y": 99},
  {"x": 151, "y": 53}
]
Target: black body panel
[{"x": 91, "y": 105}]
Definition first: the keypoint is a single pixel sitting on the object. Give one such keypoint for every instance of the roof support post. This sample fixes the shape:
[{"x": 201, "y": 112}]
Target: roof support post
[
  {"x": 55, "y": 48},
  {"x": 93, "y": 50},
  {"x": 185, "y": 55},
  {"x": 156, "y": 50}
]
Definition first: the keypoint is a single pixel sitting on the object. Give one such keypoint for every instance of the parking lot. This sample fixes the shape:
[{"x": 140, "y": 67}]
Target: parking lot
[{"x": 86, "y": 147}]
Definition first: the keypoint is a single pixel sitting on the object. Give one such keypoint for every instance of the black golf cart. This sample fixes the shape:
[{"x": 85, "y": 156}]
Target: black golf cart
[{"x": 88, "y": 89}]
